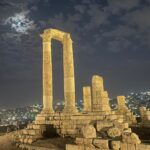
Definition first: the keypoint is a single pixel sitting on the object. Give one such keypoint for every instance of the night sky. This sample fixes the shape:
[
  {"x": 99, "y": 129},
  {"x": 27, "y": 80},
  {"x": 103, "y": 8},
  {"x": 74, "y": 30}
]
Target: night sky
[{"x": 111, "y": 38}]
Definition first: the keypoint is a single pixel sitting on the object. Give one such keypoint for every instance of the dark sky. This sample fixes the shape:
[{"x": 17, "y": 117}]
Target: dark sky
[{"x": 111, "y": 39}]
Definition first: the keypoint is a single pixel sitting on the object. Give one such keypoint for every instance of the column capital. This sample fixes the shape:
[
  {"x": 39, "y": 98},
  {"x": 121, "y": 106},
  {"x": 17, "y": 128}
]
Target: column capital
[
  {"x": 46, "y": 37},
  {"x": 67, "y": 38}
]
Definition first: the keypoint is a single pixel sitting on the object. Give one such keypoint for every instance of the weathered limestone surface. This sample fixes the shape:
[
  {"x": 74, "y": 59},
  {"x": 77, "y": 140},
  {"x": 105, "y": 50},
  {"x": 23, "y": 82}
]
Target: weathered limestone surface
[
  {"x": 123, "y": 110},
  {"x": 103, "y": 124},
  {"x": 131, "y": 138},
  {"x": 105, "y": 144},
  {"x": 69, "y": 80},
  {"x": 87, "y": 99},
  {"x": 47, "y": 75},
  {"x": 145, "y": 116},
  {"x": 143, "y": 147},
  {"x": 30, "y": 134},
  {"x": 33, "y": 147},
  {"x": 101, "y": 143},
  {"x": 113, "y": 132},
  {"x": 89, "y": 131},
  {"x": 115, "y": 145},
  {"x": 74, "y": 147},
  {"x": 121, "y": 102},
  {"x": 126, "y": 146},
  {"x": 100, "y": 100},
  {"x": 68, "y": 63}
]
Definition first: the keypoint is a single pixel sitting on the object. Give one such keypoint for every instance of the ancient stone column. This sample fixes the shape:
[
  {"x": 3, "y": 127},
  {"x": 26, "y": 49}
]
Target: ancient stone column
[
  {"x": 105, "y": 101},
  {"x": 121, "y": 102},
  {"x": 47, "y": 74},
  {"x": 142, "y": 113},
  {"x": 69, "y": 80},
  {"x": 87, "y": 99},
  {"x": 100, "y": 100}
]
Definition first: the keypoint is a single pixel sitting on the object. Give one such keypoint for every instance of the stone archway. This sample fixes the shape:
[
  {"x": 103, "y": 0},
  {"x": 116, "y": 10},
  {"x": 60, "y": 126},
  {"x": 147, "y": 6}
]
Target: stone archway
[{"x": 68, "y": 67}]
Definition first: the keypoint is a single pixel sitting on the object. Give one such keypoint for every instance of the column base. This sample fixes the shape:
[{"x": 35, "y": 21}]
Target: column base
[
  {"x": 47, "y": 111},
  {"x": 70, "y": 110}
]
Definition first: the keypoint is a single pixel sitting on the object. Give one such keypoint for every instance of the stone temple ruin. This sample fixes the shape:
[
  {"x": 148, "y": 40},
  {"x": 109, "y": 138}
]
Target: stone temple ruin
[{"x": 97, "y": 127}]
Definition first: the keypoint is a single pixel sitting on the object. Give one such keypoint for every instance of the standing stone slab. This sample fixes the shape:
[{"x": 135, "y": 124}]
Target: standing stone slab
[{"x": 87, "y": 99}]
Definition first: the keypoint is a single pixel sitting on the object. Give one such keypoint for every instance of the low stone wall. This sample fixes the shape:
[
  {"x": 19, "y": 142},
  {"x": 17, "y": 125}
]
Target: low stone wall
[
  {"x": 123, "y": 147},
  {"x": 144, "y": 147},
  {"x": 31, "y": 147},
  {"x": 70, "y": 124}
]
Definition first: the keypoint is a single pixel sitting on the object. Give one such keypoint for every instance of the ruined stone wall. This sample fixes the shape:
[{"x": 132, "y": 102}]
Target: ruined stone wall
[
  {"x": 100, "y": 100},
  {"x": 123, "y": 110},
  {"x": 145, "y": 116}
]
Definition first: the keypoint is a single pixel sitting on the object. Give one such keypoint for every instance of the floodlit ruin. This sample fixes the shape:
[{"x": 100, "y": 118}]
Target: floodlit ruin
[
  {"x": 97, "y": 127},
  {"x": 145, "y": 116}
]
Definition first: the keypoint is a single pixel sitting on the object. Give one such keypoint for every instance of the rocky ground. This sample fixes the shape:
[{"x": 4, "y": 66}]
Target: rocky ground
[
  {"x": 6, "y": 143},
  {"x": 56, "y": 143}
]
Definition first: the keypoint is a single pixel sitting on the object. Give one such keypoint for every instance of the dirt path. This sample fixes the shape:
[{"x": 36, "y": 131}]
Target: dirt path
[{"x": 5, "y": 142}]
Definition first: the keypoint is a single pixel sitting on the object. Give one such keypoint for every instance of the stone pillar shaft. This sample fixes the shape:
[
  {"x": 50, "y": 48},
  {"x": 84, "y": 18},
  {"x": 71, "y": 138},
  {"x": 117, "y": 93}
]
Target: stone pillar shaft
[
  {"x": 121, "y": 102},
  {"x": 69, "y": 80},
  {"x": 68, "y": 65},
  {"x": 100, "y": 100},
  {"x": 47, "y": 77},
  {"x": 87, "y": 99},
  {"x": 97, "y": 88}
]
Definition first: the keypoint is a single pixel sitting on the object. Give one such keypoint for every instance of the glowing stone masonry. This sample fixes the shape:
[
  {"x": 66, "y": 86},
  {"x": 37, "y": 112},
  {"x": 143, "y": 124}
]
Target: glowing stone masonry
[
  {"x": 87, "y": 98},
  {"x": 68, "y": 65},
  {"x": 100, "y": 97},
  {"x": 97, "y": 127}
]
